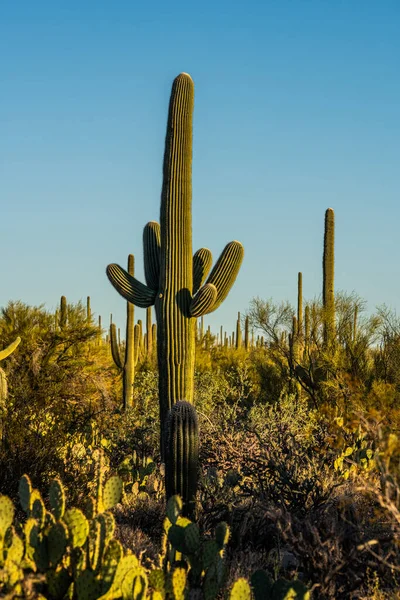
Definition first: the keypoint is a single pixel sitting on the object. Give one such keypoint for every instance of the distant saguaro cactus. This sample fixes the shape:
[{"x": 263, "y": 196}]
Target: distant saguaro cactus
[
  {"x": 63, "y": 313},
  {"x": 175, "y": 277},
  {"x": 328, "y": 294},
  {"x": 300, "y": 304},
  {"x": 88, "y": 311},
  {"x": 246, "y": 333},
  {"x": 149, "y": 332},
  {"x": 126, "y": 364},
  {"x": 238, "y": 332},
  {"x": 307, "y": 341}
]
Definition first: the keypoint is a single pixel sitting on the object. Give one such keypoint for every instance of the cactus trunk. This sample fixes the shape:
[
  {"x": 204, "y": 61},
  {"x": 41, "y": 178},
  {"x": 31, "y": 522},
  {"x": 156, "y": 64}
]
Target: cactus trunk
[
  {"x": 300, "y": 305},
  {"x": 328, "y": 295},
  {"x": 182, "y": 455}
]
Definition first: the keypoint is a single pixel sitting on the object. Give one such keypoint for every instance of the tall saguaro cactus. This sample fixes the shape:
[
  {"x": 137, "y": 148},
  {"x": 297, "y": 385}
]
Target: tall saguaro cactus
[
  {"x": 328, "y": 293},
  {"x": 174, "y": 276},
  {"x": 127, "y": 363}
]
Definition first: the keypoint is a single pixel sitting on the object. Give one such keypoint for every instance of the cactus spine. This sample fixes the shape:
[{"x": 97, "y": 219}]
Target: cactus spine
[
  {"x": 169, "y": 262},
  {"x": 127, "y": 363},
  {"x": 182, "y": 454},
  {"x": 328, "y": 296}
]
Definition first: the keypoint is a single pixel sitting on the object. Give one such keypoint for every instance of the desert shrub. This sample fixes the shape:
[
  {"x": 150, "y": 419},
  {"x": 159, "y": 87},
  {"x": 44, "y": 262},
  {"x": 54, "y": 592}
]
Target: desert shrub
[{"x": 59, "y": 381}]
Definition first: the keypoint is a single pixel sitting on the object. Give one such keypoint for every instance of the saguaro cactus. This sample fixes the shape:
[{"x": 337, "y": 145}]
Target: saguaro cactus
[
  {"x": 175, "y": 277},
  {"x": 149, "y": 332},
  {"x": 300, "y": 304},
  {"x": 238, "y": 332},
  {"x": 127, "y": 363},
  {"x": 328, "y": 295},
  {"x": 182, "y": 454},
  {"x": 246, "y": 333},
  {"x": 307, "y": 340},
  {"x": 63, "y": 314},
  {"x": 88, "y": 311}
]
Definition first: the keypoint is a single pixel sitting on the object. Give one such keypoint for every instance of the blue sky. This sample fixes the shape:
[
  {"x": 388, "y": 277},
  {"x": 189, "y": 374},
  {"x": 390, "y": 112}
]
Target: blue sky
[{"x": 297, "y": 108}]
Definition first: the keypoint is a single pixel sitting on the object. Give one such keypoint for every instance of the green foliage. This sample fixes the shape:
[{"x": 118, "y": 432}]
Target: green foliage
[{"x": 58, "y": 384}]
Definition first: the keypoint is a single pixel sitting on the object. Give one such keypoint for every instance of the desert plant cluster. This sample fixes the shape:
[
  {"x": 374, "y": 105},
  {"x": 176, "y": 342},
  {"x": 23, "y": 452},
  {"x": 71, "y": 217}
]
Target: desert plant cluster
[{"x": 174, "y": 462}]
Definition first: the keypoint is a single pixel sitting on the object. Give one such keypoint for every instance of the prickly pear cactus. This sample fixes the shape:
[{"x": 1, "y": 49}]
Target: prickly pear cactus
[
  {"x": 68, "y": 557},
  {"x": 205, "y": 558},
  {"x": 241, "y": 590}
]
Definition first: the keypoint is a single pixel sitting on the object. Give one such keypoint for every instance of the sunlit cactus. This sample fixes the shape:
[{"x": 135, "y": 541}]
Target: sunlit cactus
[
  {"x": 172, "y": 273},
  {"x": 3, "y": 378}
]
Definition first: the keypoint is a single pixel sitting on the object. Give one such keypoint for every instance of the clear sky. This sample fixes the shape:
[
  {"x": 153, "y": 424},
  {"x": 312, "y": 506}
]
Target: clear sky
[{"x": 297, "y": 108}]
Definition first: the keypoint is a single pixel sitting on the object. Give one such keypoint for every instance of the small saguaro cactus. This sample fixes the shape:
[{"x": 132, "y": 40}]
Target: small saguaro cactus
[
  {"x": 307, "y": 341},
  {"x": 174, "y": 276},
  {"x": 246, "y": 333},
  {"x": 182, "y": 454},
  {"x": 300, "y": 305},
  {"x": 88, "y": 311},
  {"x": 127, "y": 363},
  {"x": 328, "y": 295},
  {"x": 238, "y": 332},
  {"x": 62, "y": 317},
  {"x": 149, "y": 332},
  {"x": 100, "y": 335}
]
